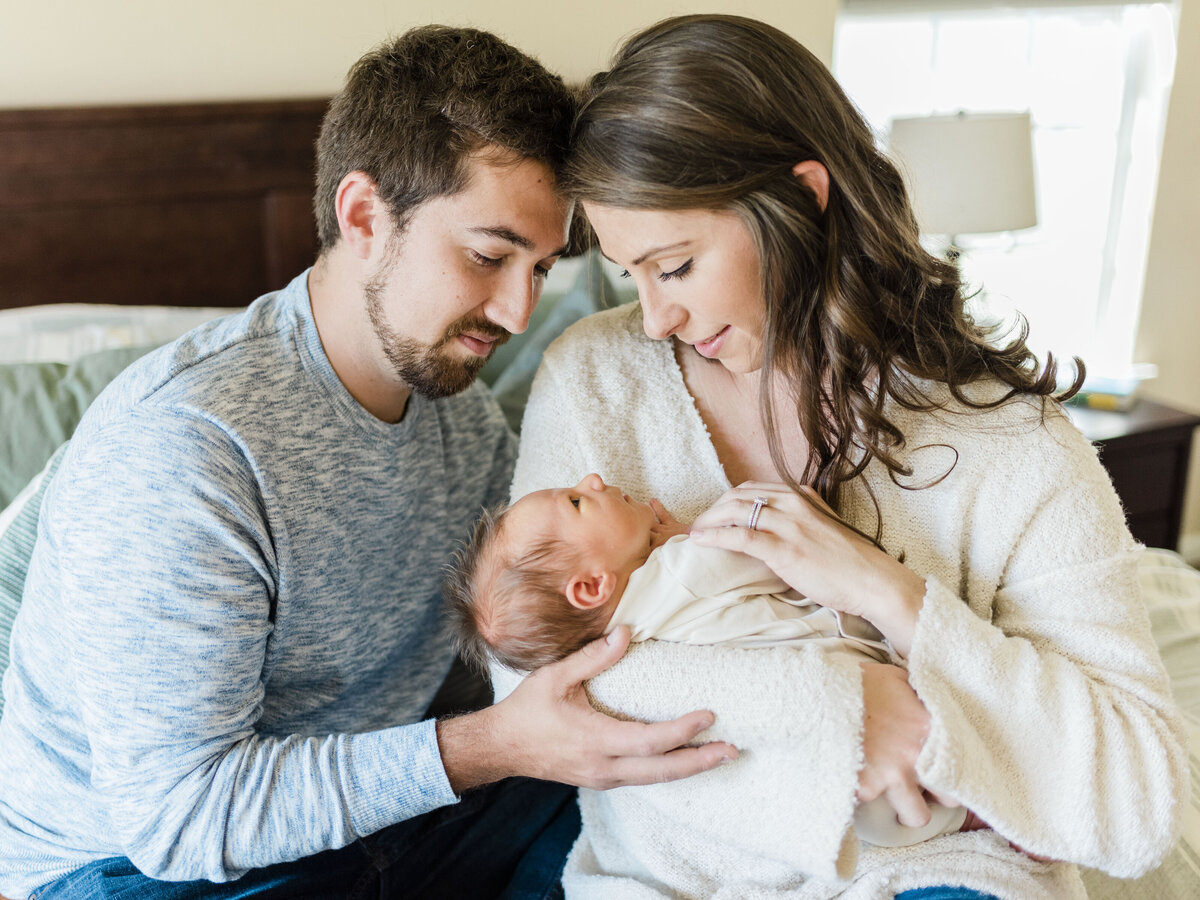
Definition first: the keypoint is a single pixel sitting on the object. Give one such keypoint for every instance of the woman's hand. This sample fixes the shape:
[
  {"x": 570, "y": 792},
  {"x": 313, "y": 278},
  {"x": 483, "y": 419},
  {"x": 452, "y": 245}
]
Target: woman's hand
[
  {"x": 810, "y": 548},
  {"x": 895, "y": 725}
]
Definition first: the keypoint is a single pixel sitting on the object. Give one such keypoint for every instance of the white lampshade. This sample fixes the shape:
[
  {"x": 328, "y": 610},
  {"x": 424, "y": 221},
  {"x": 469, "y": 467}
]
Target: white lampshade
[{"x": 968, "y": 173}]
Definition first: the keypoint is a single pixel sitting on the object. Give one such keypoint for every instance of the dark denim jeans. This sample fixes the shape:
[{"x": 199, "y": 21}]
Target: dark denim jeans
[
  {"x": 508, "y": 840},
  {"x": 944, "y": 893}
]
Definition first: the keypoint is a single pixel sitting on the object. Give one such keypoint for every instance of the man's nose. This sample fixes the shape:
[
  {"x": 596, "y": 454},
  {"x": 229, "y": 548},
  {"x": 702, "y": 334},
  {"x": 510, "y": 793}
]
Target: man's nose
[{"x": 513, "y": 304}]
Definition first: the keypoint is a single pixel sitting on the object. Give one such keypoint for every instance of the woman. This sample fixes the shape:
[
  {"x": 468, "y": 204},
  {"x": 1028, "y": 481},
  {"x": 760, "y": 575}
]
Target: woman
[{"x": 800, "y": 343}]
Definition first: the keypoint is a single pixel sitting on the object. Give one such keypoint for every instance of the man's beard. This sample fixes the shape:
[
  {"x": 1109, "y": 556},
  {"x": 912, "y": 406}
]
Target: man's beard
[{"x": 427, "y": 368}]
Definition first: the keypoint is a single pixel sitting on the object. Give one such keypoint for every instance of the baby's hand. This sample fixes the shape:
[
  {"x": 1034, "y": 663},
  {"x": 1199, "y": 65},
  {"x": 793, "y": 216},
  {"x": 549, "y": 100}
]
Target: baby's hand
[{"x": 666, "y": 527}]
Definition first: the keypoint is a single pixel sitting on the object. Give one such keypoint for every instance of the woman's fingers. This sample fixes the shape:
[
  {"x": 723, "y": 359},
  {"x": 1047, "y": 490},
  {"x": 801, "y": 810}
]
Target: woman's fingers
[
  {"x": 760, "y": 543},
  {"x": 736, "y": 506},
  {"x": 737, "y": 512}
]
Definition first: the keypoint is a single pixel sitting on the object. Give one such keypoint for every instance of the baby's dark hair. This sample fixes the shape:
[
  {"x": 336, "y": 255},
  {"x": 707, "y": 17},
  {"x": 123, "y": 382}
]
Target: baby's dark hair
[{"x": 511, "y": 607}]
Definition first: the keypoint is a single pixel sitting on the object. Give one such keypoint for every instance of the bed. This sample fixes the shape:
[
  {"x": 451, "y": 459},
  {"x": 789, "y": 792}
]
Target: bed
[{"x": 124, "y": 227}]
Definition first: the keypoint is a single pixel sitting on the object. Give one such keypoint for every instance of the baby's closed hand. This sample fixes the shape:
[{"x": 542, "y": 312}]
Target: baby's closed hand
[{"x": 667, "y": 526}]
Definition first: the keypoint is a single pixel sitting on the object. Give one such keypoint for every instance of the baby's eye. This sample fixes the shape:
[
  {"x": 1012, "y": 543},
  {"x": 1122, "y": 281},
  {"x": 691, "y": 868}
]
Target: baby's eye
[{"x": 575, "y": 502}]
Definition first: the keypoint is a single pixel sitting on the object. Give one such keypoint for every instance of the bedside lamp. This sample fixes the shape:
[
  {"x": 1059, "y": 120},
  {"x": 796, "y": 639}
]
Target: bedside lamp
[{"x": 967, "y": 173}]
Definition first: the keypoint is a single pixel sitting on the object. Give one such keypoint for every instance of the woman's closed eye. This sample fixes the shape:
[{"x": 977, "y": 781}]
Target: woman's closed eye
[{"x": 679, "y": 272}]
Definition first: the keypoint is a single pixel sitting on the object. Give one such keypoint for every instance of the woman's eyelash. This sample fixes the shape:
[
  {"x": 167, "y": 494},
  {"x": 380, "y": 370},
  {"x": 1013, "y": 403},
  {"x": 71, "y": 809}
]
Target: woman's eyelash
[
  {"x": 667, "y": 276},
  {"x": 676, "y": 273}
]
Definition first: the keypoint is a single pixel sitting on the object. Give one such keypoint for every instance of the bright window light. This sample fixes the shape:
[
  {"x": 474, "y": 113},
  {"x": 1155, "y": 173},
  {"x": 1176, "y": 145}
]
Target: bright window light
[{"x": 1095, "y": 80}]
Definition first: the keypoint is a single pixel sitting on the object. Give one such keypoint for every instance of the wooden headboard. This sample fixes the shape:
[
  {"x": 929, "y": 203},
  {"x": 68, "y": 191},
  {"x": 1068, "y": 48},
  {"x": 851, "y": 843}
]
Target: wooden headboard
[{"x": 182, "y": 205}]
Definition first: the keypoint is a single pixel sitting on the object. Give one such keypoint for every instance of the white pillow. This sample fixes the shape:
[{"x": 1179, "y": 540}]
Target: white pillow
[{"x": 62, "y": 332}]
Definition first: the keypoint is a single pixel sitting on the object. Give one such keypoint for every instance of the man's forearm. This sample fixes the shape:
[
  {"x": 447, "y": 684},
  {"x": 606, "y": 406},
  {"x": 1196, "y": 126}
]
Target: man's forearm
[{"x": 472, "y": 753}]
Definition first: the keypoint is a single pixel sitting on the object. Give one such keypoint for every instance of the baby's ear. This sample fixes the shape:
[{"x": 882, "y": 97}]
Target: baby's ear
[{"x": 590, "y": 591}]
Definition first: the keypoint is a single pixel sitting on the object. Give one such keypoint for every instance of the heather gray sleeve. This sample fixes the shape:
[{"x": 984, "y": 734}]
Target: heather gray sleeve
[{"x": 171, "y": 626}]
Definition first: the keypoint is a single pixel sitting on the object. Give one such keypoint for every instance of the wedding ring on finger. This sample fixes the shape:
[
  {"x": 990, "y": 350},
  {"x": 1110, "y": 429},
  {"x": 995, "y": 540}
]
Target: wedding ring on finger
[{"x": 755, "y": 511}]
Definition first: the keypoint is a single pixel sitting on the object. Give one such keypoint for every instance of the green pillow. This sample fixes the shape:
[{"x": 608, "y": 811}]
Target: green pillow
[
  {"x": 16, "y": 546},
  {"x": 40, "y": 405}
]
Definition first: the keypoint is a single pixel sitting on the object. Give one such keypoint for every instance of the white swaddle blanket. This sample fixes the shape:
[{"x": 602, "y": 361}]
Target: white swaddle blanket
[
  {"x": 776, "y": 822},
  {"x": 692, "y": 594}
]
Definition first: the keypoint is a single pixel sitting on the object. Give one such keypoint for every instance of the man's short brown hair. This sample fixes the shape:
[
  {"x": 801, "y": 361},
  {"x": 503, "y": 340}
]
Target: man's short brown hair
[{"x": 413, "y": 109}]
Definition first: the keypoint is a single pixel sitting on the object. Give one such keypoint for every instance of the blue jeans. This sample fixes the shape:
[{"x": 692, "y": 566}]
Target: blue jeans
[
  {"x": 945, "y": 892},
  {"x": 508, "y": 840}
]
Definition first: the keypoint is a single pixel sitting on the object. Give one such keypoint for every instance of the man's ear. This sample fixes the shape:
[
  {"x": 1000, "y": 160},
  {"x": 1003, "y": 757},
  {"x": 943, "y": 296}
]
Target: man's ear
[
  {"x": 816, "y": 178},
  {"x": 358, "y": 212},
  {"x": 590, "y": 591}
]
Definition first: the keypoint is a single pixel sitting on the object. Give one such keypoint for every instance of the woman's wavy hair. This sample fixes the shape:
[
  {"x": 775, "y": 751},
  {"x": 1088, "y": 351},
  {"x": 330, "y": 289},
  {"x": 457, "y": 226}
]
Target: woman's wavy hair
[{"x": 713, "y": 112}]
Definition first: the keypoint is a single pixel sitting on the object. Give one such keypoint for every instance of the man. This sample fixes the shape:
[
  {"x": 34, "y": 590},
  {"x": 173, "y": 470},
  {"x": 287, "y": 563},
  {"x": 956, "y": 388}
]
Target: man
[{"x": 231, "y": 625}]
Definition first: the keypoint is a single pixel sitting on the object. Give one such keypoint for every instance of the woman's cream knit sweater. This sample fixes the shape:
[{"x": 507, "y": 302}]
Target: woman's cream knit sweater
[{"x": 1050, "y": 712}]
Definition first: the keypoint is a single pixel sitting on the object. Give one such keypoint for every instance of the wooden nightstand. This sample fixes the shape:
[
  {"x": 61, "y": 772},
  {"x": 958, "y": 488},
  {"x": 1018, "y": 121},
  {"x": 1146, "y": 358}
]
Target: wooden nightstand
[{"x": 1146, "y": 451}]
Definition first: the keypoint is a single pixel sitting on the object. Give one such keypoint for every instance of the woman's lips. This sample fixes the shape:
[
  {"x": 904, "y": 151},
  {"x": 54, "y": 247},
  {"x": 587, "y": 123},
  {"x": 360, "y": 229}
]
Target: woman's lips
[{"x": 712, "y": 346}]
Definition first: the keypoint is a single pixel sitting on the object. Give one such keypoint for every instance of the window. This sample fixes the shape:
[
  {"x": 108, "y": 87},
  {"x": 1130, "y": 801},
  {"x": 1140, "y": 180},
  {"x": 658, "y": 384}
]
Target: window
[{"x": 1095, "y": 79}]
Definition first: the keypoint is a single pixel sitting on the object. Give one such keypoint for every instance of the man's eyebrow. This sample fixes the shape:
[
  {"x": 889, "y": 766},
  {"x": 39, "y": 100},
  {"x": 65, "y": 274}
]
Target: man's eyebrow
[{"x": 512, "y": 237}]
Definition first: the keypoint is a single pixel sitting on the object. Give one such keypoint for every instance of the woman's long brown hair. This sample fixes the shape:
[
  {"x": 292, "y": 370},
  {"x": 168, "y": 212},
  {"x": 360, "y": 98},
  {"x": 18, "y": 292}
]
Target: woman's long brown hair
[{"x": 713, "y": 112}]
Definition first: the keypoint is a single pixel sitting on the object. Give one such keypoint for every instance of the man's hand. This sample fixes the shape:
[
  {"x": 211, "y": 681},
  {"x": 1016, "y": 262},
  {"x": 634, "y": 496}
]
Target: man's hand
[{"x": 547, "y": 729}]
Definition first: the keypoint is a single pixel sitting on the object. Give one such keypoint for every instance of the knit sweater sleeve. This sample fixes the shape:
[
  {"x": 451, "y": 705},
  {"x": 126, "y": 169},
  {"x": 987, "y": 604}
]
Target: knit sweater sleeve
[
  {"x": 169, "y": 631},
  {"x": 1061, "y": 698}
]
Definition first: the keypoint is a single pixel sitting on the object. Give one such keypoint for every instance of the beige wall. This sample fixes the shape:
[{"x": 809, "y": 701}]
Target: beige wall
[
  {"x": 1169, "y": 331},
  {"x": 82, "y": 52}
]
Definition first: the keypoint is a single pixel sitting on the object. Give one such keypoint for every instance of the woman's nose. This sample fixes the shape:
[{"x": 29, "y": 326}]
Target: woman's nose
[{"x": 660, "y": 320}]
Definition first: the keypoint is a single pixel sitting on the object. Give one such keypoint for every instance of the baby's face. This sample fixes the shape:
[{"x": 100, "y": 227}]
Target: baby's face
[{"x": 609, "y": 529}]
